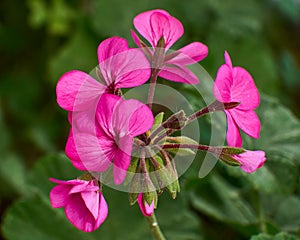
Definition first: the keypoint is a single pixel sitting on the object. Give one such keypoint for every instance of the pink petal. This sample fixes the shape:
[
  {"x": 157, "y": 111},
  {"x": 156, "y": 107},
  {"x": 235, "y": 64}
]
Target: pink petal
[
  {"x": 251, "y": 160},
  {"x": 132, "y": 117},
  {"x": 142, "y": 24},
  {"x": 135, "y": 38},
  {"x": 227, "y": 59},
  {"x": 122, "y": 159},
  {"x": 103, "y": 212},
  {"x": 76, "y": 90},
  {"x": 222, "y": 85},
  {"x": 84, "y": 121},
  {"x": 91, "y": 202},
  {"x": 243, "y": 89},
  {"x": 89, "y": 152},
  {"x": 85, "y": 187},
  {"x": 144, "y": 206},
  {"x": 111, "y": 47},
  {"x": 130, "y": 69},
  {"x": 105, "y": 111},
  {"x": 247, "y": 121},
  {"x": 59, "y": 196},
  {"x": 233, "y": 135},
  {"x": 178, "y": 73},
  {"x": 79, "y": 215},
  {"x": 190, "y": 54},
  {"x": 162, "y": 25}
]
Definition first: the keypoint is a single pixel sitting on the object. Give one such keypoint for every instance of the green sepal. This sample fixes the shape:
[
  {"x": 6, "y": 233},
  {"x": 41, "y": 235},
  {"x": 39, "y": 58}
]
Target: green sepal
[
  {"x": 86, "y": 177},
  {"x": 181, "y": 140},
  {"x": 157, "y": 121},
  {"x": 233, "y": 150},
  {"x": 229, "y": 160},
  {"x": 173, "y": 188},
  {"x": 176, "y": 121},
  {"x": 149, "y": 197},
  {"x": 134, "y": 163},
  {"x": 133, "y": 198}
]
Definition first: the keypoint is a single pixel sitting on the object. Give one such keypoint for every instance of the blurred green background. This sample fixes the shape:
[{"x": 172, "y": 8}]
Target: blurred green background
[{"x": 40, "y": 40}]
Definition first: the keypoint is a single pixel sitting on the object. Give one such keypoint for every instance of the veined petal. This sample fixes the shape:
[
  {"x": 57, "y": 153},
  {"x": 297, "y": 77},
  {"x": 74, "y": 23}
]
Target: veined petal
[
  {"x": 166, "y": 26},
  {"x": 59, "y": 196},
  {"x": 131, "y": 117},
  {"x": 222, "y": 85},
  {"x": 251, "y": 160},
  {"x": 122, "y": 159},
  {"x": 248, "y": 121},
  {"x": 135, "y": 38},
  {"x": 111, "y": 47},
  {"x": 227, "y": 59},
  {"x": 233, "y": 135},
  {"x": 243, "y": 89},
  {"x": 91, "y": 200},
  {"x": 103, "y": 211},
  {"x": 105, "y": 112},
  {"x": 178, "y": 73},
  {"x": 190, "y": 54},
  {"x": 79, "y": 215},
  {"x": 142, "y": 24},
  {"x": 76, "y": 91}
]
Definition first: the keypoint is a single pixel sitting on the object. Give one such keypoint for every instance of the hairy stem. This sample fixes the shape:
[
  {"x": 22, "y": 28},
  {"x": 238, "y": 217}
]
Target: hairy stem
[
  {"x": 152, "y": 87},
  {"x": 154, "y": 227}
]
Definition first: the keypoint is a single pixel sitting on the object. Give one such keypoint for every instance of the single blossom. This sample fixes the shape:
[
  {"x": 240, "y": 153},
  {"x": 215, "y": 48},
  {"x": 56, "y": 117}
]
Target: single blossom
[
  {"x": 154, "y": 25},
  {"x": 119, "y": 67},
  {"x": 146, "y": 209},
  {"x": 85, "y": 206},
  {"x": 251, "y": 160},
  {"x": 235, "y": 84},
  {"x": 94, "y": 143}
]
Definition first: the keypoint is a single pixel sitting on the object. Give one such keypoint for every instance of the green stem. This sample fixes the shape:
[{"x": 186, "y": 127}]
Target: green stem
[
  {"x": 154, "y": 227},
  {"x": 260, "y": 212},
  {"x": 152, "y": 87}
]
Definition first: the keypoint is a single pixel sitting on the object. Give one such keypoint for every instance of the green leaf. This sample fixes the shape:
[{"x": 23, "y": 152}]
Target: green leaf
[
  {"x": 279, "y": 236},
  {"x": 218, "y": 199}
]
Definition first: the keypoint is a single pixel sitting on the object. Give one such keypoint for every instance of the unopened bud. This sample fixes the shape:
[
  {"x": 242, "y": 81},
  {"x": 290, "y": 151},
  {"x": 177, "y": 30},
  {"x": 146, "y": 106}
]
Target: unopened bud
[{"x": 177, "y": 121}]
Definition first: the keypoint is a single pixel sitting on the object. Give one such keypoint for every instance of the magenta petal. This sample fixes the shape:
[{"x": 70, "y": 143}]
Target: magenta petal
[
  {"x": 59, "y": 196},
  {"x": 79, "y": 215},
  {"x": 135, "y": 38},
  {"x": 144, "y": 206},
  {"x": 251, "y": 160},
  {"x": 190, "y": 54},
  {"x": 105, "y": 111},
  {"x": 84, "y": 187},
  {"x": 103, "y": 211},
  {"x": 178, "y": 73},
  {"x": 122, "y": 159},
  {"x": 76, "y": 90},
  {"x": 233, "y": 135},
  {"x": 91, "y": 202},
  {"x": 243, "y": 89},
  {"x": 227, "y": 59},
  {"x": 110, "y": 47},
  {"x": 247, "y": 121},
  {"x": 142, "y": 24},
  {"x": 222, "y": 85},
  {"x": 132, "y": 117},
  {"x": 165, "y": 26}
]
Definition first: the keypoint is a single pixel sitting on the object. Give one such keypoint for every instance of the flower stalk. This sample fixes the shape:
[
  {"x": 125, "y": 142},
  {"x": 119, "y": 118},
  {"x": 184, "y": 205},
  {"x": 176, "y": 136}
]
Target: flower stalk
[{"x": 154, "y": 227}]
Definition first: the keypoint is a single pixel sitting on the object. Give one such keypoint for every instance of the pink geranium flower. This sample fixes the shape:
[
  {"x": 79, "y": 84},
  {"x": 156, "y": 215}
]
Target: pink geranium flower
[
  {"x": 235, "y": 84},
  {"x": 155, "y": 24},
  {"x": 85, "y": 206},
  {"x": 94, "y": 143},
  {"x": 120, "y": 67},
  {"x": 146, "y": 209},
  {"x": 250, "y": 160}
]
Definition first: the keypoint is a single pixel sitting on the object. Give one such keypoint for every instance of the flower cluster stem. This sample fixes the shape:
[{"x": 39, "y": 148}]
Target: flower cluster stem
[
  {"x": 154, "y": 227},
  {"x": 152, "y": 87}
]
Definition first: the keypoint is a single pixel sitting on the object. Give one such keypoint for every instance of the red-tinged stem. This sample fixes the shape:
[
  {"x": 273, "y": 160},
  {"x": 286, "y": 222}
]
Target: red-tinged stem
[
  {"x": 152, "y": 87},
  {"x": 190, "y": 146}
]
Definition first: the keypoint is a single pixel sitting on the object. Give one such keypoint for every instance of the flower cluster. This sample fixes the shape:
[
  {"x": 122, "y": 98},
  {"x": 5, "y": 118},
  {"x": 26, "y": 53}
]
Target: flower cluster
[{"x": 111, "y": 134}]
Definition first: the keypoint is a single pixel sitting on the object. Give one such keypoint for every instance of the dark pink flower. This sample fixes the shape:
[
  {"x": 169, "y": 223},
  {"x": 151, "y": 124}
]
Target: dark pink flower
[
  {"x": 146, "y": 209},
  {"x": 85, "y": 206},
  {"x": 155, "y": 24},
  {"x": 250, "y": 160},
  {"x": 235, "y": 84},
  {"x": 120, "y": 67},
  {"x": 107, "y": 135}
]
